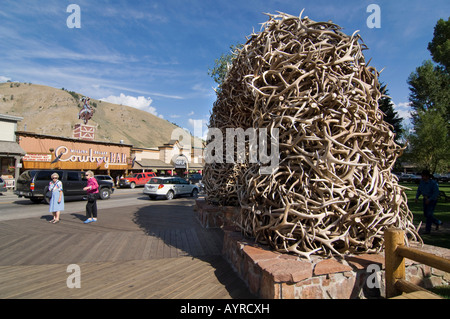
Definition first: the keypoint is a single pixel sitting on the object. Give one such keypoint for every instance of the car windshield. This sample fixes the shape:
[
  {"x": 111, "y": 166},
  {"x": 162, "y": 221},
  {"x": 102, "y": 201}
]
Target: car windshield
[{"x": 157, "y": 181}]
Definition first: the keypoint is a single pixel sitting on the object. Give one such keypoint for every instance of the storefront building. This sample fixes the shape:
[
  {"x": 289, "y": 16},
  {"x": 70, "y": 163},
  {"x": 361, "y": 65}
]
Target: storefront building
[
  {"x": 10, "y": 151},
  {"x": 167, "y": 160},
  {"x": 114, "y": 159}
]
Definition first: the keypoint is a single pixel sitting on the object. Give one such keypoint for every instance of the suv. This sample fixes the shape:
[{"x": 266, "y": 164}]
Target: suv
[
  {"x": 169, "y": 187},
  {"x": 33, "y": 184},
  {"x": 138, "y": 179},
  {"x": 104, "y": 178}
]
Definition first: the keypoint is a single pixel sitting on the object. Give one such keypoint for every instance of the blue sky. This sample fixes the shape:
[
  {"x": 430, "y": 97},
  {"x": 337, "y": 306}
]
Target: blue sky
[{"x": 155, "y": 55}]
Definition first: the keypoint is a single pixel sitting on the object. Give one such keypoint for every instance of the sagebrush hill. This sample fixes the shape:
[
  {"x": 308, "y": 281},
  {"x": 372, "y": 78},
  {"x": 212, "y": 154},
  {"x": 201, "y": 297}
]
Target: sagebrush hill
[{"x": 51, "y": 111}]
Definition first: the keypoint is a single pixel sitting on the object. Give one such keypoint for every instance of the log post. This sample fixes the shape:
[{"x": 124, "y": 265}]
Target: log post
[{"x": 395, "y": 264}]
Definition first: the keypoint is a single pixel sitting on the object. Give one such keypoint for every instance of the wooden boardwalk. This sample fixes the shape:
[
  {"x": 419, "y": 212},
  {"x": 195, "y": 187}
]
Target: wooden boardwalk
[{"x": 158, "y": 250}]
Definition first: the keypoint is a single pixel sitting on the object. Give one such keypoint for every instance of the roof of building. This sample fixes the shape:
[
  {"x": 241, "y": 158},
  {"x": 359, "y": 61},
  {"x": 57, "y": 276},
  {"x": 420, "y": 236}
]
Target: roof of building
[
  {"x": 11, "y": 148},
  {"x": 71, "y": 139},
  {"x": 10, "y": 118}
]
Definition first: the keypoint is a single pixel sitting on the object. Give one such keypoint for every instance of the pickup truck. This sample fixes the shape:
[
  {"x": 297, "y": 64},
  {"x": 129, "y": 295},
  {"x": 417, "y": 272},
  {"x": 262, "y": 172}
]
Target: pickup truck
[
  {"x": 33, "y": 184},
  {"x": 138, "y": 179}
]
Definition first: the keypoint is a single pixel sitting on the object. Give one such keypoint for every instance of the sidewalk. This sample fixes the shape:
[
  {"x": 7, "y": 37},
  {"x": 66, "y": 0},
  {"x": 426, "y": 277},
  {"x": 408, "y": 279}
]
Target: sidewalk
[
  {"x": 8, "y": 195},
  {"x": 146, "y": 251}
]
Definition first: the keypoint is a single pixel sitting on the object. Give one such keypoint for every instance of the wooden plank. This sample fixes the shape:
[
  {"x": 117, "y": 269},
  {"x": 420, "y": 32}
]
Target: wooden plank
[
  {"x": 9, "y": 248},
  {"x": 111, "y": 241},
  {"x": 195, "y": 244},
  {"x": 166, "y": 243},
  {"x": 122, "y": 245},
  {"x": 153, "y": 252},
  {"x": 122, "y": 277},
  {"x": 81, "y": 247},
  {"x": 139, "y": 244},
  {"x": 184, "y": 242},
  {"x": 166, "y": 280},
  {"x": 160, "y": 244},
  {"x": 176, "y": 284},
  {"x": 94, "y": 245},
  {"x": 35, "y": 281},
  {"x": 32, "y": 248},
  {"x": 119, "y": 258},
  {"x": 417, "y": 295},
  {"x": 61, "y": 243}
]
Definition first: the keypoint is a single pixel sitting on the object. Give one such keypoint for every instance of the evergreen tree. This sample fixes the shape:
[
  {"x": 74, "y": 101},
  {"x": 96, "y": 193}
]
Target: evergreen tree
[{"x": 391, "y": 116}]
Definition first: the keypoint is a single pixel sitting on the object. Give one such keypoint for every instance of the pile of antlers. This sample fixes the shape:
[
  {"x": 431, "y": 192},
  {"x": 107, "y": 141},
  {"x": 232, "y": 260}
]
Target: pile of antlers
[{"x": 333, "y": 191}]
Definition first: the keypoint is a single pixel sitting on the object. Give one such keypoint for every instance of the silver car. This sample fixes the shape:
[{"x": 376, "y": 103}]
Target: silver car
[{"x": 169, "y": 187}]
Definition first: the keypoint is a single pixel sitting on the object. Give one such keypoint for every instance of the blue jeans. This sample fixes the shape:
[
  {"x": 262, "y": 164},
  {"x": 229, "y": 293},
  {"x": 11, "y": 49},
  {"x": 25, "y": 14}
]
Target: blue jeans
[{"x": 428, "y": 212}]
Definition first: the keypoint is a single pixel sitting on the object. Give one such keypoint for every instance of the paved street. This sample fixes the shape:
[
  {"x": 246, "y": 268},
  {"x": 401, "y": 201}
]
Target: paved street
[
  {"x": 13, "y": 207},
  {"x": 139, "y": 248}
]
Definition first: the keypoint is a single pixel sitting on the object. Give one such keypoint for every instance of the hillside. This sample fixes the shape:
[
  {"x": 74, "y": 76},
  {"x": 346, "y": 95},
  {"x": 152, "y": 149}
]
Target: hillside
[{"x": 52, "y": 111}]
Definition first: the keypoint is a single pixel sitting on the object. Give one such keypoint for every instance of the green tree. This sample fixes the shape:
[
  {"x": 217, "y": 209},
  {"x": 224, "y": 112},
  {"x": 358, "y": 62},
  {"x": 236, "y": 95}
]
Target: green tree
[
  {"x": 221, "y": 65},
  {"x": 429, "y": 96},
  {"x": 430, "y": 144},
  {"x": 429, "y": 90},
  {"x": 391, "y": 116},
  {"x": 439, "y": 47}
]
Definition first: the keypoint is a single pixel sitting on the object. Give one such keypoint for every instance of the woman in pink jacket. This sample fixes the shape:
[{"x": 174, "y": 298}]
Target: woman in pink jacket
[{"x": 92, "y": 193}]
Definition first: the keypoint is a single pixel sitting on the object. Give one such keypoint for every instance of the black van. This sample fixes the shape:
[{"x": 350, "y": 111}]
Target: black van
[{"x": 33, "y": 184}]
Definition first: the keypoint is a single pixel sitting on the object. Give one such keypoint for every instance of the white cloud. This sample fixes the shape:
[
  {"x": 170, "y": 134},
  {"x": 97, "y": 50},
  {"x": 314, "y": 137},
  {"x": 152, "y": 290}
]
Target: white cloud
[
  {"x": 4, "y": 79},
  {"x": 403, "y": 109},
  {"x": 140, "y": 102}
]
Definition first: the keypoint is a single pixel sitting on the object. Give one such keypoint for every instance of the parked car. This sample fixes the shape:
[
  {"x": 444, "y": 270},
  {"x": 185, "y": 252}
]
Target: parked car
[
  {"x": 442, "y": 178},
  {"x": 104, "y": 178},
  {"x": 2, "y": 186},
  {"x": 409, "y": 178},
  {"x": 169, "y": 187},
  {"x": 33, "y": 184},
  {"x": 195, "y": 178},
  {"x": 138, "y": 179}
]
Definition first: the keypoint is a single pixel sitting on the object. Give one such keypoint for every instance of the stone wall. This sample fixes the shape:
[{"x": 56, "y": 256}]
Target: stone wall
[
  {"x": 211, "y": 216},
  {"x": 273, "y": 275}
]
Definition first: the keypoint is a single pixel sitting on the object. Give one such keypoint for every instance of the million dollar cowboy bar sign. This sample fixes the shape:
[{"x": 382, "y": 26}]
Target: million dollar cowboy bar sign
[
  {"x": 50, "y": 152},
  {"x": 65, "y": 154}
]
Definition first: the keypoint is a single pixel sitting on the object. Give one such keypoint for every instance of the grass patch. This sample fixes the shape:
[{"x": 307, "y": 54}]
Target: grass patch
[
  {"x": 443, "y": 291},
  {"x": 442, "y": 212}
]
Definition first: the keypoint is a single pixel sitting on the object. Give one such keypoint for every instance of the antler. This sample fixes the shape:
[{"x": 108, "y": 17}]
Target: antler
[{"x": 333, "y": 190}]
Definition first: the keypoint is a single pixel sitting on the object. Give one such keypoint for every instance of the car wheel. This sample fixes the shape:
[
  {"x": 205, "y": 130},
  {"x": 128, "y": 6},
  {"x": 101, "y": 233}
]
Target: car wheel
[
  {"x": 105, "y": 193},
  {"x": 132, "y": 185},
  {"x": 170, "y": 195},
  {"x": 194, "y": 193}
]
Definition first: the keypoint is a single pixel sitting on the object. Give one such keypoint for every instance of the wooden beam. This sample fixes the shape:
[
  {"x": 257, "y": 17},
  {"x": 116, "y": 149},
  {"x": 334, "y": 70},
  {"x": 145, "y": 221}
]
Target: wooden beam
[
  {"x": 406, "y": 286},
  {"x": 395, "y": 265},
  {"x": 424, "y": 258}
]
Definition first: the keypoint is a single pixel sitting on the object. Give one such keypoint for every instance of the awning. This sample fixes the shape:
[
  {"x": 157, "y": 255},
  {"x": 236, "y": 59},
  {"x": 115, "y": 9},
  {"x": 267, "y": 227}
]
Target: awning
[
  {"x": 11, "y": 149},
  {"x": 151, "y": 164},
  {"x": 158, "y": 164}
]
